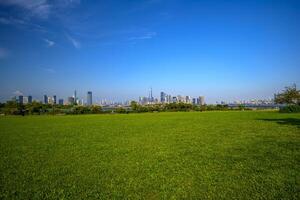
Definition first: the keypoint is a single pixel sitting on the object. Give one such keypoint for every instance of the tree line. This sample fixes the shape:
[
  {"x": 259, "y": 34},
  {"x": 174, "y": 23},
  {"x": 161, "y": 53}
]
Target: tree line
[
  {"x": 36, "y": 108},
  {"x": 137, "y": 108}
]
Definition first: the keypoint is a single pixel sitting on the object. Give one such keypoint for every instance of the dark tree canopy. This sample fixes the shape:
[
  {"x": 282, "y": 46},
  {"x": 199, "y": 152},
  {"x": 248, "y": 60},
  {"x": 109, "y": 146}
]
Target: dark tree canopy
[{"x": 290, "y": 95}]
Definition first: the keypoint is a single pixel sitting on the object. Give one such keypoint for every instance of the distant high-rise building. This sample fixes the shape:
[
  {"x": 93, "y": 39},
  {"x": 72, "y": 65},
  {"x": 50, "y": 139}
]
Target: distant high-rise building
[
  {"x": 80, "y": 102},
  {"x": 54, "y": 99},
  {"x": 89, "y": 98},
  {"x": 71, "y": 100},
  {"x": 75, "y": 96},
  {"x": 163, "y": 97},
  {"x": 25, "y": 100},
  {"x": 150, "y": 99},
  {"x": 144, "y": 100},
  {"x": 20, "y": 99},
  {"x": 174, "y": 100},
  {"x": 50, "y": 100},
  {"x": 60, "y": 101},
  {"x": 194, "y": 101},
  {"x": 201, "y": 100},
  {"x": 180, "y": 98},
  {"x": 187, "y": 99},
  {"x": 169, "y": 98},
  {"x": 45, "y": 99},
  {"x": 29, "y": 99}
]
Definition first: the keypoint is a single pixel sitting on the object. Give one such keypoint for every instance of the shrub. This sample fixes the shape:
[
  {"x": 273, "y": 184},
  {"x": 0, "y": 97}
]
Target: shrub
[
  {"x": 120, "y": 110},
  {"x": 290, "y": 109}
]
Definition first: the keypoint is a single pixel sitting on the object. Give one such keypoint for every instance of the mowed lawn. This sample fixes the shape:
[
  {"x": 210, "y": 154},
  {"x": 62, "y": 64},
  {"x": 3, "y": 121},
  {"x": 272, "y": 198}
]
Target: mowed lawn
[{"x": 193, "y": 155}]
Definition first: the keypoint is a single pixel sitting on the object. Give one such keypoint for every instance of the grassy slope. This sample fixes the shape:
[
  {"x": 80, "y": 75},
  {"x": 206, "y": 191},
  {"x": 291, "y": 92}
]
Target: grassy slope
[{"x": 243, "y": 155}]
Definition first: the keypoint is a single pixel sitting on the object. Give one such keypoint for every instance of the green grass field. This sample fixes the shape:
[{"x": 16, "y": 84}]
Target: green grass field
[{"x": 209, "y": 155}]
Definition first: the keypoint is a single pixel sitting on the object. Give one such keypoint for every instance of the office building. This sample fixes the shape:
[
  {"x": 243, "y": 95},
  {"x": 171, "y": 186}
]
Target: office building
[
  {"x": 61, "y": 102},
  {"x": 169, "y": 98},
  {"x": 163, "y": 97},
  {"x": 25, "y": 100},
  {"x": 75, "y": 96},
  {"x": 80, "y": 102},
  {"x": 174, "y": 99},
  {"x": 201, "y": 100},
  {"x": 187, "y": 99},
  {"x": 50, "y": 100},
  {"x": 20, "y": 99},
  {"x": 71, "y": 100},
  {"x": 151, "y": 99},
  {"x": 144, "y": 100},
  {"x": 194, "y": 101},
  {"x": 180, "y": 99},
  {"x": 54, "y": 99},
  {"x": 89, "y": 98},
  {"x": 45, "y": 99},
  {"x": 29, "y": 99}
]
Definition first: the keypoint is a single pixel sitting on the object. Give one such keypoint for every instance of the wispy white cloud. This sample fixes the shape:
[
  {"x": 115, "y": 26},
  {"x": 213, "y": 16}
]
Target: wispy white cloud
[
  {"x": 4, "y": 53},
  {"x": 148, "y": 35},
  {"x": 21, "y": 23},
  {"x": 12, "y": 21},
  {"x": 17, "y": 93},
  {"x": 49, "y": 43},
  {"x": 40, "y": 8},
  {"x": 73, "y": 41}
]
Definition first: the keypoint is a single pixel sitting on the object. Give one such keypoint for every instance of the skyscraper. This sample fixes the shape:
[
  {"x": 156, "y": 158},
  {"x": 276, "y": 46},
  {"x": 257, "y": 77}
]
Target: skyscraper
[
  {"x": 20, "y": 99},
  {"x": 151, "y": 99},
  {"x": 61, "y": 102},
  {"x": 75, "y": 96},
  {"x": 174, "y": 100},
  {"x": 187, "y": 99},
  {"x": 201, "y": 100},
  {"x": 194, "y": 101},
  {"x": 54, "y": 99},
  {"x": 89, "y": 98},
  {"x": 70, "y": 100},
  {"x": 169, "y": 98},
  {"x": 45, "y": 99},
  {"x": 50, "y": 100},
  {"x": 163, "y": 97},
  {"x": 25, "y": 100},
  {"x": 29, "y": 99}
]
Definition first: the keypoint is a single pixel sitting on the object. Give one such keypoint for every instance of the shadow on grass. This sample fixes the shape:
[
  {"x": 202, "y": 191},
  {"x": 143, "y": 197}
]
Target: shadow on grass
[{"x": 285, "y": 121}]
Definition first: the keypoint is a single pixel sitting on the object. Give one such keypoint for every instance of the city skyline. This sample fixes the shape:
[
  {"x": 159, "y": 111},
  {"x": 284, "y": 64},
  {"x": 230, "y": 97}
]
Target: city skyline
[
  {"x": 226, "y": 51},
  {"x": 164, "y": 98}
]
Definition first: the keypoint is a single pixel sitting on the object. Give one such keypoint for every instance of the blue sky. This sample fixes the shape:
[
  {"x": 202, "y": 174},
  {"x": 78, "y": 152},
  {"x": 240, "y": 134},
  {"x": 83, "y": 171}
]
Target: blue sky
[{"x": 224, "y": 50}]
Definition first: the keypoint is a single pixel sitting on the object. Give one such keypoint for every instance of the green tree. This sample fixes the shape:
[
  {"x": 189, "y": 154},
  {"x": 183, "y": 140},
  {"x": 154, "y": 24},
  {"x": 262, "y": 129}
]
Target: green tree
[
  {"x": 96, "y": 109},
  {"x": 120, "y": 110},
  {"x": 290, "y": 95},
  {"x": 11, "y": 108},
  {"x": 134, "y": 105}
]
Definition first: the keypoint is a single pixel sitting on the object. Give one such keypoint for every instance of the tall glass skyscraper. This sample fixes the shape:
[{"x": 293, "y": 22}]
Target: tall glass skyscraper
[
  {"x": 21, "y": 99},
  {"x": 89, "y": 98},
  {"x": 163, "y": 97},
  {"x": 45, "y": 99},
  {"x": 75, "y": 96},
  {"x": 54, "y": 99}
]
